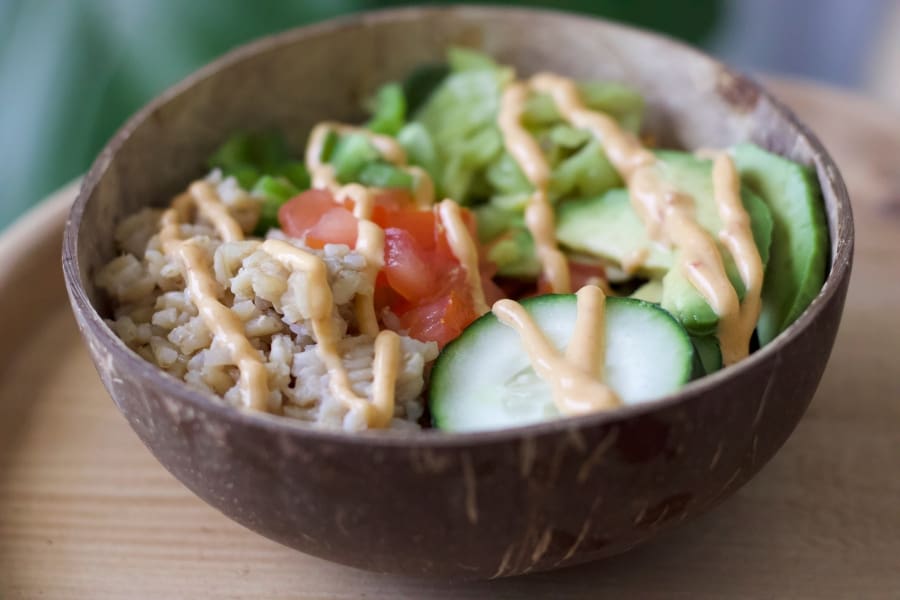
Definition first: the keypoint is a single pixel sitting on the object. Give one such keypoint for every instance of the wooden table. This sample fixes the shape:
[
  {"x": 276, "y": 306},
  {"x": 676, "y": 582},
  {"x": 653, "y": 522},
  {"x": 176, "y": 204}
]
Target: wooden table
[{"x": 86, "y": 512}]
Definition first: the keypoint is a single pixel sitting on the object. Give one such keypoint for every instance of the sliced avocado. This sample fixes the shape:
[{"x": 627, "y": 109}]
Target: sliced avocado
[
  {"x": 707, "y": 355},
  {"x": 693, "y": 176},
  {"x": 514, "y": 254},
  {"x": 649, "y": 292},
  {"x": 607, "y": 227},
  {"x": 796, "y": 272}
]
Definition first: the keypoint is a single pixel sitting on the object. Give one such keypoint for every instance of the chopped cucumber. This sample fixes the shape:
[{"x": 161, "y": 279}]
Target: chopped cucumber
[{"x": 484, "y": 379}]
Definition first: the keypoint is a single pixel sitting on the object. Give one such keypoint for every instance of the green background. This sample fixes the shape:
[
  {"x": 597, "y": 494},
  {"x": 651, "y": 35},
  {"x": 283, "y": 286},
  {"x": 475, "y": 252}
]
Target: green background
[{"x": 72, "y": 71}]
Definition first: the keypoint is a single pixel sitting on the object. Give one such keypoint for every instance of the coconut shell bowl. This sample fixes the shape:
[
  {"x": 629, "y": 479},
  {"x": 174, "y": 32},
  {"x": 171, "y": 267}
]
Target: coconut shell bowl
[{"x": 474, "y": 505}]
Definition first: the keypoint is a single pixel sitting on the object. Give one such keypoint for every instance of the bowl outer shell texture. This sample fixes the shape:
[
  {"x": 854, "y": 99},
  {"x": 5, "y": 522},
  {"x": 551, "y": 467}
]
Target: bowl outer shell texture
[{"x": 467, "y": 505}]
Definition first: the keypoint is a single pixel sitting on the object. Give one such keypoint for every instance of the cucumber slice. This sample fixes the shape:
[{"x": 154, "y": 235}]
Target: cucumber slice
[{"x": 484, "y": 380}]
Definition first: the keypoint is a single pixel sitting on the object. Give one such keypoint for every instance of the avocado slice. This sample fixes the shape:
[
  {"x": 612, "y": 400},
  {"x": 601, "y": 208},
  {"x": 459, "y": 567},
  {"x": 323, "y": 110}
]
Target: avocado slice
[
  {"x": 693, "y": 176},
  {"x": 649, "y": 292},
  {"x": 796, "y": 272},
  {"x": 609, "y": 228},
  {"x": 707, "y": 355}
]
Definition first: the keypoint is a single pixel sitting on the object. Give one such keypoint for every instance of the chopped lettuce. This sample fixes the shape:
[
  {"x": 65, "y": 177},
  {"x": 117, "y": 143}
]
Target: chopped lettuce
[
  {"x": 274, "y": 192},
  {"x": 470, "y": 163},
  {"x": 388, "y": 110}
]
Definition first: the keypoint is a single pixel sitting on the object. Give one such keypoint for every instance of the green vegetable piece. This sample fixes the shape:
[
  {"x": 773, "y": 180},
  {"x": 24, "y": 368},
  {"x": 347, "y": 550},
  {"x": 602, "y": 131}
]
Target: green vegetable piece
[
  {"x": 484, "y": 379},
  {"x": 247, "y": 155},
  {"x": 480, "y": 149},
  {"x": 460, "y": 117},
  {"x": 511, "y": 202},
  {"x": 466, "y": 59},
  {"x": 608, "y": 227},
  {"x": 384, "y": 175},
  {"x": 797, "y": 269},
  {"x": 295, "y": 172},
  {"x": 568, "y": 137},
  {"x": 693, "y": 176},
  {"x": 419, "y": 148},
  {"x": 540, "y": 111},
  {"x": 351, "y": 154},
  {"x": 649, "y": 292},
  {"x": 388, "y": 110},
  {"x": 619, "y": 101},
  {"x": 492, "y": 220},
  {"x": 506, "y": 176},
  {"x": 328, "y": 145},
  {"x": 707, "y": 355},
  {"x": 421, "y": 82},
  {"x": 515, "y": 256},
  {"x": 275, "y": 191},
  {"x": 246, "y": 175},
  {"x": 588, "y": 172}
]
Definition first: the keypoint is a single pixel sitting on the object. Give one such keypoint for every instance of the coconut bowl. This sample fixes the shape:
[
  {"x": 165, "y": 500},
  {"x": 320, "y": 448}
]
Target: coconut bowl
[{"x": 475, "y": 505}]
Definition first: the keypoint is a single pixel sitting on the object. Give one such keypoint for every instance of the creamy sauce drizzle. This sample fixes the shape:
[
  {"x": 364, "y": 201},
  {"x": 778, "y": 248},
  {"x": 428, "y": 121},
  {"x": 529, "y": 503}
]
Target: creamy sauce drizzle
[
  {"x": 464, "y": 249},
  {"x": 575, "y": 378},
  {"x": 370, "y": 237},
  {"x": 737, "y": 236},
  {"x": 380, "y": 410},
  {"x": 227, "y": 327},
  {"x": 539, "y": 216},
  {"x": 204, "y": 290},
  {"x": 667, "y": 214}
]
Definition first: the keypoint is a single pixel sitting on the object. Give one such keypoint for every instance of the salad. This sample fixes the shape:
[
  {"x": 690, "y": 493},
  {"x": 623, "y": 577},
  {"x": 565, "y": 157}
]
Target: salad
[{"x": 485, "y": 251}]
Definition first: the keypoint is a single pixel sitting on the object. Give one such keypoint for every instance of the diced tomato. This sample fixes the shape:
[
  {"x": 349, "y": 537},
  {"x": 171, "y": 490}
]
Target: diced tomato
[
  {"x": 418, "y": 223},
  {"x": 583, "y": 274},
  {"x": 442, "y": 318},
  {"x": 422, "y": 282},
  {"x": 298, "y": 215},
  {"x": 492, "y": 291},
  {"x": 337, "y": 226},
  {"x": 394, "y": 199},
  {"x": 407, "y": 265}
]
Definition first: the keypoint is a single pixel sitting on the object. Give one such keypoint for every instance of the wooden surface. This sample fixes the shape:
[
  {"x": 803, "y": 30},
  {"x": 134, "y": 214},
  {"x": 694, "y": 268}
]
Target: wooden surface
[{"x": 86, "y": 512}]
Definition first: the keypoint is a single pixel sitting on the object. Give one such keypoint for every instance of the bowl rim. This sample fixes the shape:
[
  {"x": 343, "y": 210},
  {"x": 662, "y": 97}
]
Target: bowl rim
[{"x": 840, "y": 255}]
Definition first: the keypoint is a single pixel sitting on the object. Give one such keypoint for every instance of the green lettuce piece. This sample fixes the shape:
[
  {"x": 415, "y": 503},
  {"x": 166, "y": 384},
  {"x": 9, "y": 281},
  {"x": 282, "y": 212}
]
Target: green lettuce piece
[
  {"x": 419, "y": 147},
  {"x": 421, "y": 82},
  {"x": 274, "y": 191},
  {"x": 466, "y": 59},
  {"x": 588, "y": 172},
  {"x": 385, "y": 175},
  {"x": 388, "y": 110},
  {"x": 247, "y": 156},
  {"x": 460, "y": 117},
  {"x": 352, "y": 152}
]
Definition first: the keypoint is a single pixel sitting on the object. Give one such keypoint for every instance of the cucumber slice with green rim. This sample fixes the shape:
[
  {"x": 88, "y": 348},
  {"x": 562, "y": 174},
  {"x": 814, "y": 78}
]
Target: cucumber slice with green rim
[{"x": 484, "y": 380}]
